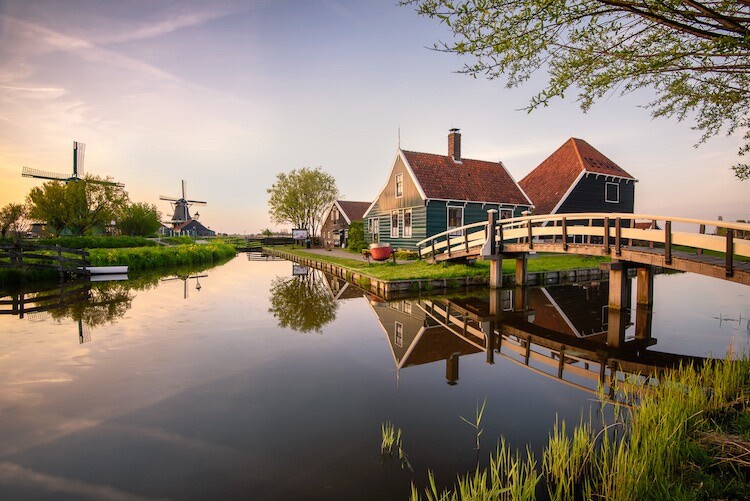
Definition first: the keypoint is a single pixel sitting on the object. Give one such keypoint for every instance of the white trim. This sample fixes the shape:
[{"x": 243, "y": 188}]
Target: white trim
[
  {"x": 342, "y": 212},
  {"x": 399, "y": 154},
  {"x": 395, "y": 185},
  {"x": 606, "y": 176},
  {"x": 448, "y": 219},
  {"x": 396, "y": 325},
  {"x": 606, "y": 186},
  {"x": 567, "y": 193},
  {"x": 562, "y": 314},
  {"x": 479, "y": 202},
  {"x": 396, "y": 212},
  {"x": 517, "y": 185},
  {"x": 403, "y": 222}
]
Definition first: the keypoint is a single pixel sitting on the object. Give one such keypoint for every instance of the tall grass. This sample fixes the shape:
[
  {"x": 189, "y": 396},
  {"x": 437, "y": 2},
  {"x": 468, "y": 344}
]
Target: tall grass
[
  {"x": 640, "y": 454},
  {"x": 97, "y": 242},
  {"x": 144, "y": 258}
]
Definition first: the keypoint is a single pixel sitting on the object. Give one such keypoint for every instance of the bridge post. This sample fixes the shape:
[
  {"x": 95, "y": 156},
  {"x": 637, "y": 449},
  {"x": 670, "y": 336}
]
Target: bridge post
[
  {"x": 522, "y": 264},
  {"x": 645, "y": 286},
  {"x": 496, "y": 271},
  {"x": 490, "y": 233},
  {"x": 618, "y": 303},
  {"x": 451, "y": 369}
]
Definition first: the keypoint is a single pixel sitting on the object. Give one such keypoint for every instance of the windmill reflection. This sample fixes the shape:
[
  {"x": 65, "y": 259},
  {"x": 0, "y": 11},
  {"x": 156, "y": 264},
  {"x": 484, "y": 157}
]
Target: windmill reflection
[
  {"x": 88, "y": 304},
  {"x": 564, "y": 332}
]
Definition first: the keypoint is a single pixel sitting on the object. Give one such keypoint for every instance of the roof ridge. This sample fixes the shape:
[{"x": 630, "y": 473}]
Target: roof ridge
[
  {"x": 499, "y": 162},
  {"x": 578, "y": 153}
]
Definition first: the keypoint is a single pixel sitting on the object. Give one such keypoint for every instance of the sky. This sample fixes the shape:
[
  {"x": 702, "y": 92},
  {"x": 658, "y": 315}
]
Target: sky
[{"x": 228, "y": 94}]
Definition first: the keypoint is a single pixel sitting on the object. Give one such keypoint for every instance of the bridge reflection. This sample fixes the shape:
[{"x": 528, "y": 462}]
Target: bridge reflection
[{"x": 565, "y": 332}]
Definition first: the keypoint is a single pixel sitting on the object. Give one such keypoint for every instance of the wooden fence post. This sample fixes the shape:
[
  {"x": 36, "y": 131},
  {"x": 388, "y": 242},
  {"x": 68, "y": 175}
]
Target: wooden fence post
[
  {"x": 702, "y": 231},
  {"x": 618, "y": 251},
  {"x": 730, "y": 252},
  {"x": 668, "y": 242},
  {"x": 531, "y": 237}
]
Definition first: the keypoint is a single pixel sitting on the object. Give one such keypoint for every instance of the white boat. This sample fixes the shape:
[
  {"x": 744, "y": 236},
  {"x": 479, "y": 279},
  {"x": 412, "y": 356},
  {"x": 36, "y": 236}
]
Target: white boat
[
  {"x": 107, "y": 278},
  {"x": 107, "y": 270}
]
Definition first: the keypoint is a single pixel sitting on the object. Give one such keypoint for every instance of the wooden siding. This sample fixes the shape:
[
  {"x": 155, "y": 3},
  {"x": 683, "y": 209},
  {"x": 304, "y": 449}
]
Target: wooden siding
[
  {"x": 588, "y": 196},
  {"x": 390, "y": 313},
  {"x": 418, "y": 227},
  {"x": 387, "y": 198},
  {"x": 437, "y": 213},
  {"x": 329, "y": 226}
]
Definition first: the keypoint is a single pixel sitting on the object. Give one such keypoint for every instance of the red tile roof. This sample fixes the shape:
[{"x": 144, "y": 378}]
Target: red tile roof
[
  {"x": 550, "y": 181},
  {"x": 354, "y": 210},
  {"x": 471, "y": 180}
]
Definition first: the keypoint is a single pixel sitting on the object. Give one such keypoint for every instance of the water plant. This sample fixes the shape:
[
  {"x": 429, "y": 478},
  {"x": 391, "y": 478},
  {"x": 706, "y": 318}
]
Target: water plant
[
  {"x": 476, "y": 424},
  {"x": 391, "y": 444}
]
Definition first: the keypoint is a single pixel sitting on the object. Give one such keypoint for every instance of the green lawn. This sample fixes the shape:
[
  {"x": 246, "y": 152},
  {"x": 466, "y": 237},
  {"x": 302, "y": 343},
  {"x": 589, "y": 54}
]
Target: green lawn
[{"x": 413, "y": 270}]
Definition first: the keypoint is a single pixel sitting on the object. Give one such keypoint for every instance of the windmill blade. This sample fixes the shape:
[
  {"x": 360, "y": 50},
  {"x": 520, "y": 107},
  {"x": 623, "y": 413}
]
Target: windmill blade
[
  {"x": 196, "y": 202},
  {"x": 184, "y": 186},
  {"x": 170, "y": 279},
  {"x": 43, "y": 174},
  {"x": 168, "y": 199}
]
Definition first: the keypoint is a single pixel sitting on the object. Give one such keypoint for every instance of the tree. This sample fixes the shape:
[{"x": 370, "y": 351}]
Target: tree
[
  {"x": 267, "y": 232},
  {"x": 302, "y": 197},
  {"x": 694, "y": 54},
  {"x": 79, "y": 205},
  {"x": 13, "y": 220},
  {"x": 139, "y": 219}
]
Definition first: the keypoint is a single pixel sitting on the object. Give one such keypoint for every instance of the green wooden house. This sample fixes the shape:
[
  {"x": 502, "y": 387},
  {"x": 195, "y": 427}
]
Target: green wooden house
[{"x": 426, "y": 194}]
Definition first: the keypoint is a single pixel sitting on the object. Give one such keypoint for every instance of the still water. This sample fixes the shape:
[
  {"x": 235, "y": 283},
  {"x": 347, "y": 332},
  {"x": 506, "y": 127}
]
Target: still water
[{"x": 246, "y": 382}]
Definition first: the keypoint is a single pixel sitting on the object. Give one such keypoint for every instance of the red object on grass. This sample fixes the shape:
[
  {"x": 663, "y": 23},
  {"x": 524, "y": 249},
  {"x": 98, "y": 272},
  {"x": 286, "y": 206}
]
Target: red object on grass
[{"x": 380, "y": 252}]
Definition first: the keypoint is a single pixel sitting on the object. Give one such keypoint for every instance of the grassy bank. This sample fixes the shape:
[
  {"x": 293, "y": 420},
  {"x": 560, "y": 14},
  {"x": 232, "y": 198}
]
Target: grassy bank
[
  {"x": 422, "y": 270},
  {"x": 146, "y": 258},
  {"x": 687, "y": 437}
]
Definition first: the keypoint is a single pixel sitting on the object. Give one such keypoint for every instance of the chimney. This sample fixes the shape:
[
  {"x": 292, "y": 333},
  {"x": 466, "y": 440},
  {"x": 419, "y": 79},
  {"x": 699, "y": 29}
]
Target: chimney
[{"x": 454, "y": 144}]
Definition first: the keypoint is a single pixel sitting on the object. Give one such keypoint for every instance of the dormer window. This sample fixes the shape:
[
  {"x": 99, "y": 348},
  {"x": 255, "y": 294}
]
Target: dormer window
[
  {"x": 612, "y": 193},
  {"x": 399, "y": 185}
]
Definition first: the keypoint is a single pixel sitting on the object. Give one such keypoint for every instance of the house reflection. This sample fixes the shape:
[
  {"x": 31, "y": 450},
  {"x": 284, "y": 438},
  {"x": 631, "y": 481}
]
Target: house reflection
[{"x": 565, "y": 332}]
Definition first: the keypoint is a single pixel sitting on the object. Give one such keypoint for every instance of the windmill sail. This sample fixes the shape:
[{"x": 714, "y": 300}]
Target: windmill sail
[{"x": 79, "y": 150}]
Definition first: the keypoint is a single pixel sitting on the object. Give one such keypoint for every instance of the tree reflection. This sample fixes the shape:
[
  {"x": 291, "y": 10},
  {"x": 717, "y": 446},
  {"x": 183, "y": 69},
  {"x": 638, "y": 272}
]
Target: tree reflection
[
  {"x": 107, "y": 302},
  {"x": 302, "y": 303}
]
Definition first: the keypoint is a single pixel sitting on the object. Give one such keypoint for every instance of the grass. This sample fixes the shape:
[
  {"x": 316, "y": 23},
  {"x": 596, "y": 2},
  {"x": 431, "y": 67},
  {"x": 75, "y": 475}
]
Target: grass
[
  {"x": 685, "y": 438},
  {"x": 422, "y": 270},
  {"x": 713, "y": 253},
  {"x": 96, "y": 242},
  {"x": 391, "y": 445},
  {"x": 477, "y": 423},
  {"x": 144, "y": 258}
]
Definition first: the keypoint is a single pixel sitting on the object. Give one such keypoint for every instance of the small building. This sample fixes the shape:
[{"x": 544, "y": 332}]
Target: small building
[
  {"x": 193, "y": 228},
  {"x": 426, "y": 194},
  {"x": 334, "y": 231},
  {"x": 579, "y": 178}
]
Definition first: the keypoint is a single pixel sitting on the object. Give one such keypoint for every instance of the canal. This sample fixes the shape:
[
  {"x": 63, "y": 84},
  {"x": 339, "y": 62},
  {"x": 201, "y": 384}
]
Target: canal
[{"x": 246, "y": 381}]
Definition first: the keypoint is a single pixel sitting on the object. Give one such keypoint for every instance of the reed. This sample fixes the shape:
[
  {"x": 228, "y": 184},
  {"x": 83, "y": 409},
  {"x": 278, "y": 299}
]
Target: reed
[
  {"x": 145, "y": 258},
  {"x": 477, "y": 423},
  {"x": 667, "y": 445}
]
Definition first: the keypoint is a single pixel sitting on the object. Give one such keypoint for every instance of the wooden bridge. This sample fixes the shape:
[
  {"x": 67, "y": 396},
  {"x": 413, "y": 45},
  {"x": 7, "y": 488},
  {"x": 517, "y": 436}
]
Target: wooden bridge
[
  {"x": 50, "y": 257},
  {"x": 667, "y": 242}
]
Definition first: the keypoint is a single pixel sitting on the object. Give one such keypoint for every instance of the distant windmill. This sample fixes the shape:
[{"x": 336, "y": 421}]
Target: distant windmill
[
  {"x": 78, "y": 151},
  {"x": 181, "y": 207}
]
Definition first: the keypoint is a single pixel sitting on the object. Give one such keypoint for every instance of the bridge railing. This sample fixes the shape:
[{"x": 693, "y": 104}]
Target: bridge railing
[
  {"x": 614, "y": 231},
  {"x": 470, "y": 236}
]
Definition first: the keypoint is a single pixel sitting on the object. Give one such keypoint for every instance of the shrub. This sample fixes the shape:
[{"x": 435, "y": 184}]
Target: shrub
[
  {"x": 97, "y": 242},
  {"x": 357, "y": 236},
  {"x": 159, "y": 257}
]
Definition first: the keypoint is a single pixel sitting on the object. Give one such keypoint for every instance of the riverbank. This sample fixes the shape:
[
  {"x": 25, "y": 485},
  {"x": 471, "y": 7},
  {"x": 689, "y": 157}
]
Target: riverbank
[
  {"x": 387, "y": 278},
  {"x": 685, "y": 437},
  {"x": 151, "y": 257}
]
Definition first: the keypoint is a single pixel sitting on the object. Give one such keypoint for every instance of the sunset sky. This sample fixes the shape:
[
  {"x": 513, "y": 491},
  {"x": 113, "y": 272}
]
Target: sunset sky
[{"x": 227, "y": 94}]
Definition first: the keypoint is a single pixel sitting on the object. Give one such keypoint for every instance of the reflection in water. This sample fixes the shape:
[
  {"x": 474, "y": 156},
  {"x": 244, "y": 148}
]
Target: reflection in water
[
  {"x": 565, "y": 332},
  {"x": 302, "y": 302},
  {"x": 185, "y": 279}
]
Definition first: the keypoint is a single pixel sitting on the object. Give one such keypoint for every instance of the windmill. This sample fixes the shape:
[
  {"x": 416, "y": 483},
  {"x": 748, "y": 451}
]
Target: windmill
[
  {"x": 181, "y": 207},
  {"x": 78, "y": 151}
]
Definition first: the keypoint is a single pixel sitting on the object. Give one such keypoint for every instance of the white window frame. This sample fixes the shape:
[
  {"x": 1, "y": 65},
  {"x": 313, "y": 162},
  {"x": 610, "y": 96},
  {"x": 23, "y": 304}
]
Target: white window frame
[
  {"x": 606, "y": 192},
  {"x": 398, "y": 334},
  {"x": 394, "y": 229},
  {"x": 407, "y": 307},
  {"x": 403, "y": 222},
  {"x": 399, "y": 183},
  {"x": 448, "y": 220},
  {"x": 505, "y": 211}
]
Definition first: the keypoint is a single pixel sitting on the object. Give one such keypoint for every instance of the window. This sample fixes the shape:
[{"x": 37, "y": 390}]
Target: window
[
  {"x": 335, "y": 215},
  {"x": 506, "y": 300},
  {"x": 407, "y": 223},
  {"x": 455, "y": 220},
  {"x": 506, "y": 213},
  {"x": 394, "y": 224},
  {"x": 374, "y": 225},
  {"x": 398, "y": 337},
  {"x": 399, "y": 185},
  {"x": 407, "y": 307},
  {"x": 612, "y": 192}
]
